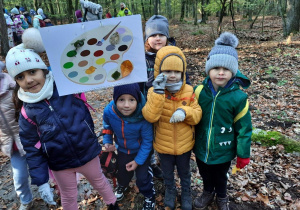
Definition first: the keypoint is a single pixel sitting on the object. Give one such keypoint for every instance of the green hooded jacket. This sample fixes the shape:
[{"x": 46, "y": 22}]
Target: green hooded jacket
[{"x": 225, "y": 129}]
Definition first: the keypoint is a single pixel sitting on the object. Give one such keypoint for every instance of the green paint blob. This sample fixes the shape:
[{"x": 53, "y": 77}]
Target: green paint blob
[
  {"x": 83, "y": 79},
  {"x": 72, "y": 53},
  {"x": 116, "y": 75},
  {"x": 68, "y": 65}
]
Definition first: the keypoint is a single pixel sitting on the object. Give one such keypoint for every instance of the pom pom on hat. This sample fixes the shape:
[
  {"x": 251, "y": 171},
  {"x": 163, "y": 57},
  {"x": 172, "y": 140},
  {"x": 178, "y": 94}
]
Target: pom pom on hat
[
  {"x": 224, "y": 54},
  {"x": 14, "y": 11},
  {"x": 24, "y": 57},
  {"x": 131, "y": 89},
  {"x": 157, "y": 24}
]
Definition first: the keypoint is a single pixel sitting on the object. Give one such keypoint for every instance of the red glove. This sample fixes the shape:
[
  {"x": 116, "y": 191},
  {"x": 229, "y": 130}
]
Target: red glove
[{"x": 242, "y": 162}]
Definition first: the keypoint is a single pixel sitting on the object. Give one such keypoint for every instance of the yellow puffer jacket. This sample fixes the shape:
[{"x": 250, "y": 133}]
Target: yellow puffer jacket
[{"x": 172, "y": 138}]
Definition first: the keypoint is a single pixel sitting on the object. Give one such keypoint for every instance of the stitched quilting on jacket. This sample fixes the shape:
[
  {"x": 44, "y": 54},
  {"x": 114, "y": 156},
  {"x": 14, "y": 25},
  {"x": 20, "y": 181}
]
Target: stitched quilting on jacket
[
  {"x": 133, "y": 133},
  {"x": 172, "y": 138},
  {"x": 67, "y": 138},
  {"x": 225, "y": 129}
]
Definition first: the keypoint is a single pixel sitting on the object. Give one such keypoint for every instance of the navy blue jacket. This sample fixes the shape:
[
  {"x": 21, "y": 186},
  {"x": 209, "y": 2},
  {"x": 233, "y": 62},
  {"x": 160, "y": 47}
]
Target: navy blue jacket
[{"x": 66, "y": 133}]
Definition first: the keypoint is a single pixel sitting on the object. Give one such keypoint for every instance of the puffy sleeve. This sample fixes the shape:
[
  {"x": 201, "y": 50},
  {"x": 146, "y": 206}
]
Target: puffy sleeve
[
  {"x": 107, "y": 129},
  {"x": 193, "y": 112},
  {"x": 243, "y": 129},
  {"x": 154, "y": 106},
  {"x": 36, "y": 159}
]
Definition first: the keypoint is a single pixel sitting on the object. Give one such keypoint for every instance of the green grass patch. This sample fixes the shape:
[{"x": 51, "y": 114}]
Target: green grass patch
[
  {"x": 198, "y": 32},
  {"x": 273, "y": 138}
]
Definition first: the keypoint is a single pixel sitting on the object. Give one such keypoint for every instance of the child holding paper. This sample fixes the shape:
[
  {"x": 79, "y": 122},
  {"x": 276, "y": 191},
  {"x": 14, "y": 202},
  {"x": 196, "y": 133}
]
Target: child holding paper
[{"x": 65, "y": 141}]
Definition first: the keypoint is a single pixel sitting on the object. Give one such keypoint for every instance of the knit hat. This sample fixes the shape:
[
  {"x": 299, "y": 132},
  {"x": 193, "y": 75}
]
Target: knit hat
[
  {"x": 32, "y": 12},
  {"x": 22, "y": 9},
  {"x": 224, "y": 54},
  {"x": 24, "y": 56},
  {"x": 157, "y": 24},
  {"x": 169, "y": 58},
  {"x": 14, "y": 11},
  {"x": 131, "y": 89}
]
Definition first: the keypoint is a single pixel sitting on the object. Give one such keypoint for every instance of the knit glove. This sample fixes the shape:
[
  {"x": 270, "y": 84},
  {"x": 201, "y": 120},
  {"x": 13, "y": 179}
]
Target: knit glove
[
  {"x": 159, "y": 84},
  {"x": 178, "y": 116},
  {"x": 46, "y": 194},
  {"x": 242, "y": 162}
]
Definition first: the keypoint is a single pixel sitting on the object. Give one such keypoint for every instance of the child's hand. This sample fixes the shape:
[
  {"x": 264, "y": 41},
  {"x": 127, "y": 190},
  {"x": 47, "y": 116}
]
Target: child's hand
[
  {"x": 46, "y": 193},
  {"x": 242, "y": 162},
  {"x": 159, "y": 83},
  {"x": 109, "y": 147},
  {"x": 131, "y": 166},
  {"x": 178, "y": 116}
]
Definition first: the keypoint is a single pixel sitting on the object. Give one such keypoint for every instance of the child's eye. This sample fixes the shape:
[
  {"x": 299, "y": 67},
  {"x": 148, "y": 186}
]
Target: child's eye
[
  {"x": 32, "y": 71},
  {"x": 133, "y": 99},
  {"x": 19, "y": 77}
]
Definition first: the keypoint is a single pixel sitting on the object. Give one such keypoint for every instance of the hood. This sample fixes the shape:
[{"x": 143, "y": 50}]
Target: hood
[
  {"x": 172, "y": 55},
  {"x": 6, "y": 83}
]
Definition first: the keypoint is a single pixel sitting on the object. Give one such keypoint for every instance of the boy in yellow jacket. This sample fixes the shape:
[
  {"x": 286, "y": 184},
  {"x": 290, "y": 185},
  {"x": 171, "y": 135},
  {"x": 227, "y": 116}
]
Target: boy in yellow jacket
[{"x": 173, "y": 109}]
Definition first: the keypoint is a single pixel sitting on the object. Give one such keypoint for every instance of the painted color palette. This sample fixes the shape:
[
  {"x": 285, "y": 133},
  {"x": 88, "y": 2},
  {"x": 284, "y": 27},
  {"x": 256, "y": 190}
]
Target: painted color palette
[{"x": 85, "y": 64}]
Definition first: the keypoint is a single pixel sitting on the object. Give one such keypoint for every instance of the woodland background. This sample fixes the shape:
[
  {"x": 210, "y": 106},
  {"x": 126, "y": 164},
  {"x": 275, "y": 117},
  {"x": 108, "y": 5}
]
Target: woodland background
[{"x": 269, "y": 54}]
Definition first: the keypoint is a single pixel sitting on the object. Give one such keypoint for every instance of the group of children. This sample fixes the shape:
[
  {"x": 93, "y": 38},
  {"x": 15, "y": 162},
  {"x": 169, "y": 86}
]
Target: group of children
[{"x": 211, "y": 119}]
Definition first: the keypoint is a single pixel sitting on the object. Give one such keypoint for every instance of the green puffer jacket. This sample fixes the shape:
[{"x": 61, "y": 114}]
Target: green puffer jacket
[{"x": 225, "y": 129}]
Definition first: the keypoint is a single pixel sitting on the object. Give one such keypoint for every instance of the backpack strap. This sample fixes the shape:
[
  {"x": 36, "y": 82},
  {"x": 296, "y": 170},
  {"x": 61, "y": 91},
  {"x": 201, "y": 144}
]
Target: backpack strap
[
  {"x": 198, "y": 91},
  {"x": 82, "y": 97},
  {"x": 23, "y": 112}
]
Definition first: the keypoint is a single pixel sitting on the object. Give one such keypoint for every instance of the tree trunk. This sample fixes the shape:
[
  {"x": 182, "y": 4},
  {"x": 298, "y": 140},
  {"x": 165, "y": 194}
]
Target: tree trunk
[
  {"x": 293, "y": 16},
  {"x": 70, "y": 10},
  {"x": 52, "y": 11},
  {"x": 143, "y": 10},
  {"x": 115, "y": 9},
  {"x": 204, "y": 3},
  {"x": 223, "y": 8},
  {"x": 195, "y": 12},
  {"x": 155, "y": 9},
  {"x": 183, "y": 2},
  {"x": 231, "y": 8},
  {"x": 169, "y": 9},
  {"x": 3, "y": 32}
]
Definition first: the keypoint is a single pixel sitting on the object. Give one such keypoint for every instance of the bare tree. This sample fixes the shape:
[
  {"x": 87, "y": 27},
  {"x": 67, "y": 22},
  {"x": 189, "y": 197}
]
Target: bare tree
[
  {"x": 222, "y": 13},
  {"x": 293, "y": 16},
  {"x": 3, "y": 32},
  {"x": 183, "y": 2}
]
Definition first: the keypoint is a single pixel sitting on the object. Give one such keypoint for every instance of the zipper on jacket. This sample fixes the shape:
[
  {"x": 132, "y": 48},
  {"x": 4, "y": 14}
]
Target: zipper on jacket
[
  {"x": 175, "y": 145},
  {"x": 50, "y": 107},
  {"x": 46, "y": 149},
  {"x": 210, "y": 126},
  {"x": 88, "y": 126}
]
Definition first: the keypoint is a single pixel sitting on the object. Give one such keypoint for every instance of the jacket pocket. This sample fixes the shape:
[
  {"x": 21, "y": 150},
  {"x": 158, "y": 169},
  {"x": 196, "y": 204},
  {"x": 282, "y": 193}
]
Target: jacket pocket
[{"x": 224, "y": 142}]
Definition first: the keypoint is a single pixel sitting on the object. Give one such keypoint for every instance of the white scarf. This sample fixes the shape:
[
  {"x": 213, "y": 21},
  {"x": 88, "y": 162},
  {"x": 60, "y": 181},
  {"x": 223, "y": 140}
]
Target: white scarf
[
  {"x": 45, "y": 93},
  {"x": 174, "y": 87}
]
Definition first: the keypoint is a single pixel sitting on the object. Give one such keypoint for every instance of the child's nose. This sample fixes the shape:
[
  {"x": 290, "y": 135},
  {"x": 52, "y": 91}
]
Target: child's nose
[{"x": 28, "y": 79}]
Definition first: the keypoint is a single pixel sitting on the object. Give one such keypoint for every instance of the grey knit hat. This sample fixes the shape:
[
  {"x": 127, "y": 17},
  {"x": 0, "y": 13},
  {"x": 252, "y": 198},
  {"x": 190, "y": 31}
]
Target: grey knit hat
[
  {"x": 157, "y": 24},
  {"x": 224, "y": 54}
]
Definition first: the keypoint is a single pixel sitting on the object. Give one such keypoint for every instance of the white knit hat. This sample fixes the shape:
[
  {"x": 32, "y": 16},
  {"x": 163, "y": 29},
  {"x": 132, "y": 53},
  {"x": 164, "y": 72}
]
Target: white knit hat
[{"x": 24, "y": 56}]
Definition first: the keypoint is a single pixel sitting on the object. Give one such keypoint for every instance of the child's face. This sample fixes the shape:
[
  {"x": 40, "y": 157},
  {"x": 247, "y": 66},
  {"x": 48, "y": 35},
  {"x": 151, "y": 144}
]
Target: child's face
[
  {"x": 126, "y": 104},
  {"x": 157, "y": 41},
  {"x": 31, "y": 80},
  {"x": 219, "y": 77},
  {"x": 172, "y": 76}
]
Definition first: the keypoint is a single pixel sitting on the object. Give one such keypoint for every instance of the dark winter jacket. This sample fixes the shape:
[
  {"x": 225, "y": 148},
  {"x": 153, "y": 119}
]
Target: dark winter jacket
[
  {"x": 66, "y": 135},
  {"x": 225, "y": 129},
  {"x": 133, "y": 133}
]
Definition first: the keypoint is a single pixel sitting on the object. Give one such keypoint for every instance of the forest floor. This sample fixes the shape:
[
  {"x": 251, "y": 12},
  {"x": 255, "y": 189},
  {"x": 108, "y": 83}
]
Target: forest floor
[{"x": 272, "y": 179}]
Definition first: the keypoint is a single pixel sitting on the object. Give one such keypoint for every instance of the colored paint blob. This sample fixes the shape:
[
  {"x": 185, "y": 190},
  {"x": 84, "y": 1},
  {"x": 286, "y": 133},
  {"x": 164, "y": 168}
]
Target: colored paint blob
[
  {"x": 83, "y": 63},
  {"x": 72, "y": 53},
  {"x": 122, "y": 48},
  {"x": 92, "y": 41},
  {"x": 98, "y": 77},
  {"x": 73, "y": 74},
  {"x": 114, "y": 57},
  {"x": 100, "y": 61},
  {"x": 84, "y": 79},
  {"x": 85, "y": 53},
  {"x": 121, "y": 30},
  {"x": 68, "y": 65},
  {"x": 90, "y": 70},
  {"x": 126, "y": 38},
  {"x": 110, "y": 47},
  {"x": 98, "y": 53}
]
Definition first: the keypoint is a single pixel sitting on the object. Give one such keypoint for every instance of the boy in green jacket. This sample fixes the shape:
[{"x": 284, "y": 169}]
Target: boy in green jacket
[{"x": 225, "y": 129}]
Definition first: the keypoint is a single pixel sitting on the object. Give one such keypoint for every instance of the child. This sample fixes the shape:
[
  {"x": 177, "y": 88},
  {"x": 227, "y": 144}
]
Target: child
[
  {"x": 173, "y": 109},
  {"x": 16, "y": 25},
  {"x": 225, "y": 129},
  {"x": 78, "y": 15},
  {"x": 65, "y": 141},
  {"x": 134, "y": 136},
  {"x": 156, "y": 37},
  {"x": 10, "y": 140}
]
